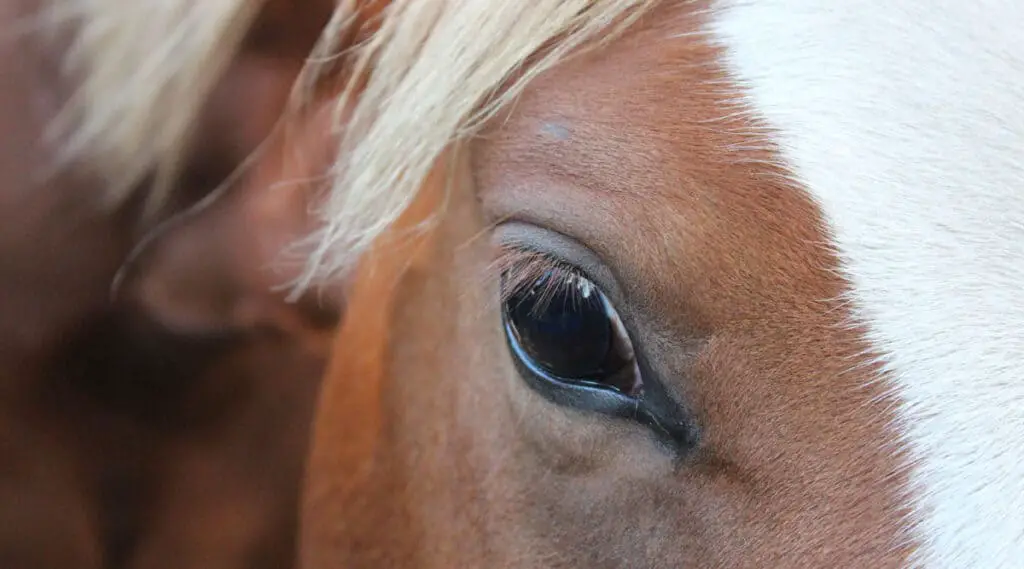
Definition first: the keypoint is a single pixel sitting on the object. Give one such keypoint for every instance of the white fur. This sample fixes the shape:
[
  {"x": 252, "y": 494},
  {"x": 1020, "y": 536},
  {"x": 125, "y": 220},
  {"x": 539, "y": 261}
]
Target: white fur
[{"x": 904, "y": 119}]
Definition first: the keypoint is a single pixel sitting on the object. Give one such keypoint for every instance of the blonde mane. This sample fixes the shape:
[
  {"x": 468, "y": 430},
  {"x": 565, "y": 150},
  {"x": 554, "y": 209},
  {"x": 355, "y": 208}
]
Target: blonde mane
[
  {"x": 144, "y": 71},
  {"x": 425, "y": 78}
]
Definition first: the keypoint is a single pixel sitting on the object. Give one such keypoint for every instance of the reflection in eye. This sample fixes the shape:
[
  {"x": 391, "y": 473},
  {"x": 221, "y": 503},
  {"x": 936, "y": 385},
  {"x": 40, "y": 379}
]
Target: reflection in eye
[{"x": 562, "y": 328}]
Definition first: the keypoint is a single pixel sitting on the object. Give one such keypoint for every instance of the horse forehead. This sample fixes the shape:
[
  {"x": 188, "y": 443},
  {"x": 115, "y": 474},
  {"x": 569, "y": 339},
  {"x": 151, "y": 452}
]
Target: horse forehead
[
  {"x": 570, "y": 111},
  {"x": 904, "y": 121},
  {"x": 644, "y": 134}
]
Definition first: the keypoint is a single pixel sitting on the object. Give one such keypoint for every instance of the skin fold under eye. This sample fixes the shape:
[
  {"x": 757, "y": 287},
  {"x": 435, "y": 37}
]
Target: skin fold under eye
[{"x": 571, "y": 346}]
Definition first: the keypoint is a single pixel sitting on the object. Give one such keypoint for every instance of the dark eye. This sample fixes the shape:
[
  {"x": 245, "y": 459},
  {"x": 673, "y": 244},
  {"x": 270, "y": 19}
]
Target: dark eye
[
  {"x": 568, "y": 333},
  {"x": 571, "y": 347}
]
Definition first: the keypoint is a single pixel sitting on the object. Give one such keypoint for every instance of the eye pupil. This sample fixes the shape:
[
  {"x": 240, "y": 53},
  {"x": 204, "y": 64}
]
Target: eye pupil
[{"x": 568, "y": 333}]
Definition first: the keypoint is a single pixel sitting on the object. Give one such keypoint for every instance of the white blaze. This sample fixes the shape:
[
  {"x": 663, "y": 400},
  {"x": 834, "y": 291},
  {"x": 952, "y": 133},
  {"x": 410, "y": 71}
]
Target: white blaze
[{"x": 904, "y": 119}]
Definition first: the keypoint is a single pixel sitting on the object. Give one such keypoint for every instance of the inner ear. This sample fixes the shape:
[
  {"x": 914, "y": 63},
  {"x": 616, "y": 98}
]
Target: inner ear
[
  {"x": 223, "y": 267},
  {"x": 183, "y": 278}
]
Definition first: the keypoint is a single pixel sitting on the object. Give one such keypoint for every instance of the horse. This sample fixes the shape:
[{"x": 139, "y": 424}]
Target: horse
[
  {"x": 689, "y": 284},
  {"x": 642, "y": 283},
  {"x": 156, "y": 387}
]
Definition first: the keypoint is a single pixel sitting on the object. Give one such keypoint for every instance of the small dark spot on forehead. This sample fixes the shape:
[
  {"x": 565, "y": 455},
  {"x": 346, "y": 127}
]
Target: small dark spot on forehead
[{"x": 555, "y": 130}]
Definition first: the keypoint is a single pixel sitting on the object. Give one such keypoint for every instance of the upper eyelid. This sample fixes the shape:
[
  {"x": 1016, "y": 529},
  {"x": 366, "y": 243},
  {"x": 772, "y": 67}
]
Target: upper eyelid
[{"x": 561, "y": 248}]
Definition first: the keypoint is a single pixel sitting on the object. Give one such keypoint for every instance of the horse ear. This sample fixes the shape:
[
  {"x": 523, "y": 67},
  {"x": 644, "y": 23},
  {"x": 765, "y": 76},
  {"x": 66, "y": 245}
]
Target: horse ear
[{"x": 223, "y": 267}]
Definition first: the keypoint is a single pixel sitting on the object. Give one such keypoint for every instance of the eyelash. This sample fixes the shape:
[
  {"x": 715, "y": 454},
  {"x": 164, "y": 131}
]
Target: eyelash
[{"x": 522, "y": 268}]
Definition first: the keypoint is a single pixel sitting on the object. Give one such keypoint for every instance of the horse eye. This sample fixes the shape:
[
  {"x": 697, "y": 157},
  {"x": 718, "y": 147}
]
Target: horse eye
[{"x": 569, "y": 334}]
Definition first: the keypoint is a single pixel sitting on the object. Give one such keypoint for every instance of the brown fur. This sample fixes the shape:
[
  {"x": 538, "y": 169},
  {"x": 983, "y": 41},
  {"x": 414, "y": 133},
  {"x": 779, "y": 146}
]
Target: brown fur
[{"x": 430, "y": 452}]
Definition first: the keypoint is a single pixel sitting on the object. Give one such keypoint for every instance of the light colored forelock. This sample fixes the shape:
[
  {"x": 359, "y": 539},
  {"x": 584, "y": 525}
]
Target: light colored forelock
[
  {"x": 427, "y": 77},
  {"x": 436, "y": 70},
  {"x": 904, "y": 119},
  {"x": 144, "y": 70}
]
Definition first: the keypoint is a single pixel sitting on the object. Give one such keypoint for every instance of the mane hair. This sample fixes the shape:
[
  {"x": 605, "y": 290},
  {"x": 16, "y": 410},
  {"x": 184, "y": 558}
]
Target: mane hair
[
  {"x": 437, "y": 71},
  {"x": 422, "y": 80},
  {"x": 144, "y": 70}
]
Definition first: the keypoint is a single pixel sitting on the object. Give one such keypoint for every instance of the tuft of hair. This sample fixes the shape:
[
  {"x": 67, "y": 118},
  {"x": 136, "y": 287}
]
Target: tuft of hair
[
  {"x": 144, "y": 70},
  {"x": 425, "y": 79},
  {"x": 422, "y": 78}
]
